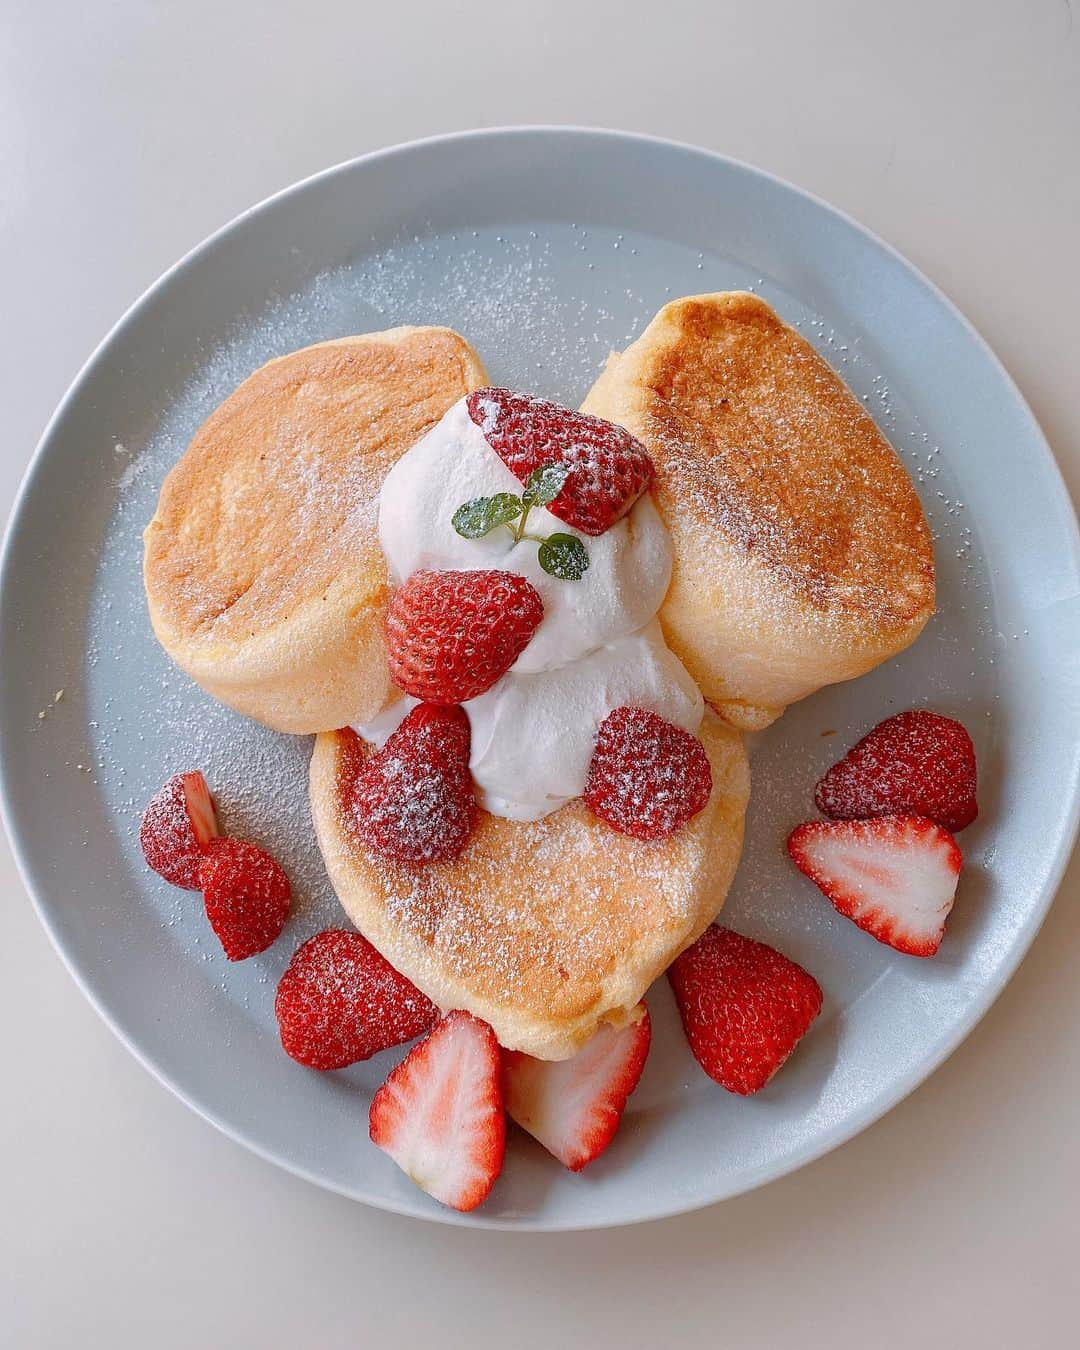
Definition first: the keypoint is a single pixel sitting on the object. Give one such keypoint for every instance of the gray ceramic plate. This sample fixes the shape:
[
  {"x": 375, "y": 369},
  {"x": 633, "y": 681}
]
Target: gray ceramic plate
[{"x": 547, "y": 248}]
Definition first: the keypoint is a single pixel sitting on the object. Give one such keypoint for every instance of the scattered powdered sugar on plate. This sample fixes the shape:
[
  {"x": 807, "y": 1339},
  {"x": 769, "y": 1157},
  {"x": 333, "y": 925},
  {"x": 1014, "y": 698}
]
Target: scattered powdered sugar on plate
[{"x": 543, "y": 307}]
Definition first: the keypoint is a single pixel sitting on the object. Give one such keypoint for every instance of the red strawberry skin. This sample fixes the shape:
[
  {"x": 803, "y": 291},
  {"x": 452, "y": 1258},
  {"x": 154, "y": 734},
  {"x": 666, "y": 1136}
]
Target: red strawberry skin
[
  {"x": 176, "y": 826},
  {"x": 341, "y": 1001},
  {"x": 744, "y": 1007},
  {"x": 247, "y": 896},
  {"x": 609, "y": 468},
  {"x": 917, "y": 763},
  {"x": 647, "y": 777},
  {"x": 414, "y": 802},
  {"x": 440, "y": 1113},
  {"x": 574, "y": 1106},
  {"x": 451, "y": 635},
  {"x": 894, "y": 876}
]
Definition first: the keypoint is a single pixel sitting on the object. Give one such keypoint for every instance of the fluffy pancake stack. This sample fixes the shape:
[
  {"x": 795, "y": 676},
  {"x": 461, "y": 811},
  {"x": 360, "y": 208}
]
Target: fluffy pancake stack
[{"x": 801, "y": 557}]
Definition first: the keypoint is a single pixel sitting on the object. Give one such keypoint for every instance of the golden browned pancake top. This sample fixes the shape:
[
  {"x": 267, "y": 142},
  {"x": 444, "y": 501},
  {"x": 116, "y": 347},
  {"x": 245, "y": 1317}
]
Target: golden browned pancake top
[
  {"x": 278, "y": 491},
  {"x": 542, "y": 926},
  {"x": 755, "y": 434}
]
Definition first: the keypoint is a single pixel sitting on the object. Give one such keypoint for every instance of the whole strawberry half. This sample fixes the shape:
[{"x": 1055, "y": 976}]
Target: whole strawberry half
[
  {"x": 574, "y": 1106},
  {"x": 895, "y": 876},
  {"x": 647, "y": 776},
  {"x": 340, "y": 1001},
  {"x": 451, "y": 635},
  {"x": 744, "y": 1007},
  {"x": 176, "y": 826},
  {"x": 247, "y": 896},
  {"x": 609, "y": 468},
  {"x": 413, "y": 802},
  {"x": 440, "y": 1113},
  {"x": 917, "y": 763}
]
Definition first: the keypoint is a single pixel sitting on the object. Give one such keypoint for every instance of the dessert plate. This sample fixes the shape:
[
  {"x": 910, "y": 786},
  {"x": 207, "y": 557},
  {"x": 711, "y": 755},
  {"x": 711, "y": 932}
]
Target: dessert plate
[{"x": 546, "y": 247}]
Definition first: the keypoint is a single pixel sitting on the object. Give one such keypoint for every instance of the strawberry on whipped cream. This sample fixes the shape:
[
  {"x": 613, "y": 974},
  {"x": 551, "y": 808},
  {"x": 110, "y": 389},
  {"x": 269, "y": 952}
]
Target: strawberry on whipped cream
[{"x": 597, "y": 648}]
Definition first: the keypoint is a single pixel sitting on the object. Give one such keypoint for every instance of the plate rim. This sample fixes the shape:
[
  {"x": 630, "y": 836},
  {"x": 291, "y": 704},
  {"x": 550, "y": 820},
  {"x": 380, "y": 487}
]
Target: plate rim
[{"x": 988, "y": 991}]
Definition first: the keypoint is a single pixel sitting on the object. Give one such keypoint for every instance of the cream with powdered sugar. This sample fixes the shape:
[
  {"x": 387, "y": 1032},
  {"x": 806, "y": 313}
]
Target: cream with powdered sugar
[
  {"x": 629, "y": 565},
  {"x": 598, "y": 647}
]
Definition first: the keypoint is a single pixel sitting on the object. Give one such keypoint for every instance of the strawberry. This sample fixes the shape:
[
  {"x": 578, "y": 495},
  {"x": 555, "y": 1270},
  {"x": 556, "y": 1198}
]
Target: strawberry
[
  {"x": 413, "y": 802},
  {"x": 608, "y": 468},
  {"x": 247, "y": 896},
  {"x": 744, "y": 1007},
  {"x": 340, "y": 1001},
  {"x": 176, "y": 827},
  {"x": 917, "y": 763},
  {"x": 440, "y": 1113},
  {"x": 647, "y": 777},
  {"x": 895, "y": 876},
  {"x": 573, "y": 1106},
  {"x": 451, "y": 635}
]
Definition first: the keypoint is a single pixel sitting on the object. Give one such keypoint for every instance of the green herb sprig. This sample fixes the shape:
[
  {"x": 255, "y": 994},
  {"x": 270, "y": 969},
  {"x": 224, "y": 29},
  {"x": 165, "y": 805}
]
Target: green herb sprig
[{"x": 560, "y": 555}]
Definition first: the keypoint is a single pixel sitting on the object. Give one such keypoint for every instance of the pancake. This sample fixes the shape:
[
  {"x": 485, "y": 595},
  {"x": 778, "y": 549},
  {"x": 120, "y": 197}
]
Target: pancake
[
  {"x": 801, "y": 553},
  {"x": 544, "y": 929},
  {"x": 263, "y": 571}
]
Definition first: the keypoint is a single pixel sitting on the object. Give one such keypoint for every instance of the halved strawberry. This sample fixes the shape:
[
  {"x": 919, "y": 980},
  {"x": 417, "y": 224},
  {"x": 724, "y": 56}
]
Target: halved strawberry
[
  {"x": 647, "y": 776},
  {"x": 573, "y": 1106},
  {"x": 176, "y": 827},
  {"x": 451, "y": 635},
  {"x": 744, "y": 1007},
  {"x": 609, "y": 468},
  {"x": 247, "y": 896},
  {"x": 895, "y": 876},
  {"x": 340, "y": 1001},
  {"x": 917, "y": 763},
  {"x": 440, "y": 1113},
  {"x": 414, "y": 802}
]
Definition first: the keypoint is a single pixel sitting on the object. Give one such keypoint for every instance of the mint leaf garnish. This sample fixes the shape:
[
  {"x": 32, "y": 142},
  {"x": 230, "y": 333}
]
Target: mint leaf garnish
[
  {"x": 564, "y": 556},
  {"x": 483, "y": 514},
  {"x": 560, "y": 555},
  {"x": 545, "y": 484}
]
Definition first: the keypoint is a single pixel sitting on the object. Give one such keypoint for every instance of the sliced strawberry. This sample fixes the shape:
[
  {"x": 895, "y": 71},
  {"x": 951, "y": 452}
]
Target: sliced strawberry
[
  {"x": 451, "y": 635},
  {"x": 573, "y": 1106},
  {"x": 413, "y": 802},
  {"x": 247, "y": 896},
  {"x": 340, "y": 1001},
  {"x": 744, "y": 1007},
  {"x": 647, "y": 776},
  {"x": 176, "y": 827},
  {"x": 609, "y": 468},
  {"x": 895, "y": 876},
  {"x": 440, "y": 1113},
  {"x": 917, "y": 763}
]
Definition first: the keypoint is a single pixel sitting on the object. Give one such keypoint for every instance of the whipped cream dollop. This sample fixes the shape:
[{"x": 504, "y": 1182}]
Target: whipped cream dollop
[
  {"x": 597, "y": 648},
  {"x": 629, "y": 565}
]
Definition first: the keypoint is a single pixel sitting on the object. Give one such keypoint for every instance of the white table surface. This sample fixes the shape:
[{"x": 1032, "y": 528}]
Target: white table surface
[{"x": 131, "y": 128}]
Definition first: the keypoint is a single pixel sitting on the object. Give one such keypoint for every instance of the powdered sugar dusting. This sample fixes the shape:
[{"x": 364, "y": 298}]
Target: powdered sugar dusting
[
  {"x": 340, "y": 1001},
  {"x": 607, "y": 468},
  {"x": 168, "y": 838},
  {"x": 735, "y": 441},
  {"x": 916, "y": 763},
  {"x": 504, "y": 941},
  {"x": 414, "y": 800},
  {"x": 489, "y": 414},
  {"x": 543, "y": 307},
  {"x": 546, "y": 924},
  {"x": 648, "y": 777}
]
